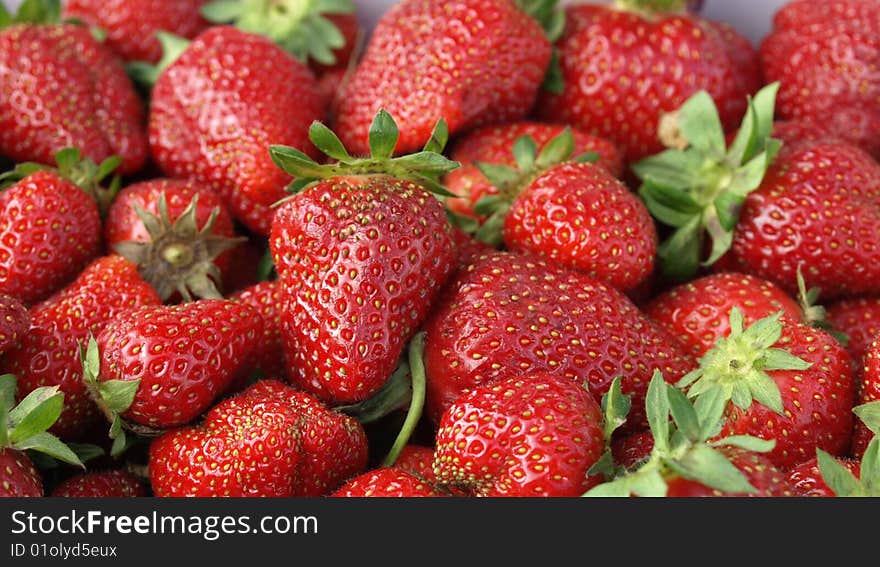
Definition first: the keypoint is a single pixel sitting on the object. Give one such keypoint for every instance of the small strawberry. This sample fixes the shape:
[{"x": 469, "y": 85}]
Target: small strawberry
[
  {"x": 361, "y": 251},
  {"x": 530, "y": 435},
  {"x": 209, "y": 124},
  {"x": 867, "y": 391},
  {"x": 859, "y": 319},
  {"x": 23, "y": 428},
  {"x": 130, "y": 25},
  {"x": 114, "y": 483},
  {"x": 417, "y": 460},
  {"x": 48, "y": 355},
  {"x": 806, "y": 479},
  {"x": 495, "y": 145},
  {"x": 698, "y": 312},
  {"x": 471, "y": 63},
  {"x": 63, "y": 88},
  {"x": 265, "y": 298},
  {"x": 387, "y": 482},
  {"x": 14, "y": 322},
  {"x": 508, "y": 314}
]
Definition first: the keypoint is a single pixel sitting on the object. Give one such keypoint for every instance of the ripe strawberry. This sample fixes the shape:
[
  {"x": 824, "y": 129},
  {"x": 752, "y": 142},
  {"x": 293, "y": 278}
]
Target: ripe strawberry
[
  {"x": 48, "y": 355},
  {"x": 800, "y": 377},
  {"x": 743, "y": 55},
  {"x": 494, "y": 144},
  {"x": 265, "y": 298},
  {"x": 14, "y": 322},
  {"x": 531, "y": 435},
  {"x": 471, "y": 62},
  {"x": 360, "y": 254},
  {"x": 387, "y": 482},
  {"x": 177, "y": 232},
  {"x": 275, "y": 442},
  {"x": 806, "y": 478},
  {"x": 18, "y": 475},
  {"x": 508, "y": 314},
  {"x": 825, "y": 54},
  {"x": 114, "y": 483},
  {"x": 625, "y": 65},
  {"x": 131, "y": 25},
  {"x": 63, "y": 88},
  {"x": 209, "y": 124},
  {"x": 171, "y": 360},
  {"x": 698, "y": 312},
  {"x": 867, "y": 391},
  {"x": 417, "y": 460},
  {"x": 859, "y": 319}
]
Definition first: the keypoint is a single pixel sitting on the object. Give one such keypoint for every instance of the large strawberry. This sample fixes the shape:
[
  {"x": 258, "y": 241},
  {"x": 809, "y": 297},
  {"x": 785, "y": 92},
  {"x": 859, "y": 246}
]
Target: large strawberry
[
  {"x": 131, "y": 25},
  {"x": 361, "y": 251},
  {"x": 23, "y": 428},
  {"x": 113, "y": 483},
  {"x": 48, "y": 355},
  {"x": 532, "y": 435},
  {"x": 14, "y": 322},
  {"x": 60, "y": 87},
  {"x": 210, "y": 124},
  {"x": 470, "y": 62},
  {"x": 627, "y": 64},
  {"x": 495, "y": 144},
  {"x": 508, "y": 314},
  {"x": 825, "y": 56}
]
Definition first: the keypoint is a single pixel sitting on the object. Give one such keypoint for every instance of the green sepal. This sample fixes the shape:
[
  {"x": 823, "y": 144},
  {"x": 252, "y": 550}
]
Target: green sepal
[
  {"x": 657, "y": 410},
  {"x": 746, "y": 442},
  {"x": 707, "y": 466},
  {"x": 86, "y": 451},
  {"x": 35, "y": 413},
  {"x": 554, "y": 79},
  {"x": 869, "y": 413},
  {"x": 439, "y": 138},
  {"x": 50, "y": 445},
  {"x": 548, "y": 15},
  {"x": 699, "y": 123},
  {"x": 615, "y": 408},
  {"x": 146, "y": 74},
  {"x": 383, "y": 135},
  {"x": 328, "y": 142},
  {"x": 838, "y": 478}
]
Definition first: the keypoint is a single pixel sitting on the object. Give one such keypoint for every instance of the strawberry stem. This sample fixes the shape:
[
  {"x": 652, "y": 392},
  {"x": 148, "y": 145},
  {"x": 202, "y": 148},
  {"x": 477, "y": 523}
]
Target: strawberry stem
[{"x": 417, "y": 402}]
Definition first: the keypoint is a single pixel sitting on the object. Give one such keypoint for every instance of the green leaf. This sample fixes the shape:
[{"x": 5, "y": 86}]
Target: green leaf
[
  {"x": 838, "y": 478},
  {"x": 587, "y": 157},
  {"x": 222, "y": 11},
  {"x": 266, "y": 267},
  {"x": 765, "y": 332},
  {"x": 39, "y": 11},
  {"x": 615, "y": 408},
  {"x": 869, "y": 472},
  {"x": 32, "y": 401},
  {"x": 747, "y": 442},
  {"x": 118, "y": 395},
  {"x": 67, "y": 159},
  {"x": 683, "y": 413},
  {"x": 618, "y": 488},
  {"x": 91, "y": 361},
  {"x": 710, "y": 406},
  {"x": 500, "y": 176},
  {"x": 554, "y": 79},
  {"x": 120, "y": 444},
  {"x": 700, "y": 125},
  {"x": 648, "y": 484},
  {"x": 325, "y": 140},
  {"x": 7, "y": 391},
  {"x": 439, "y": 138},
  {"x": 558, "y": 150},
  {"x": 491, "y": 232},
  {"x": 525, "y": 151},
  {"x": 722, "y": 239},
  {"x": 44, "y": 410},
  {"x": 50, "y": 445},
  {"x": 765, "y": 391},
  {"x": 657, "y": 409},
  {"x": 383, "y": 135},
  {"x": 604, "y": 466},
  {"x": 671, "y": 206},
  {"x": 86, "y": 451},
  {"x": 727, "y": 208},
  {"x": 426, "y": 163},
  {"x": 748, "y": 177},
  {"x": 296, "y": 163},
  {"x": 869, "y": 413},
  {"x": 708, "y": 466},
  {"x": 679, "y": 255},
  {"x": 780, "y": 359},
  {"x": 671, "y": 168}
]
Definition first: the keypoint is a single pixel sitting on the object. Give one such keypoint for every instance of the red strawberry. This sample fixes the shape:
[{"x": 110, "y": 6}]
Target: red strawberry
[
  {"x": 101, "y": 484},
  {"x": 178, "y": 233},
  {"x": 176, "y": 359},
  {"x": 49, "y": 355},
  {"x": 743, "y": 55},
  {"x": 494, "y": 144},
  {"x": 508, "y": 314},
  {"x": 63, "y": 88},
  {"x": 418, "y": 460},
  {"x": 825, "y": 56},
  {"x": 471, "y": 62},
  {"x": 859, "y": 319},
  {"x": 265, "y": 298},
  {"x": 467, "y": 247},
  {"x": 131, "y": 25},
  {"x": 387, "y": 482},
  {"x": 14, "y": 322},
  {"x": 209, "y": 124},
  {"x": 49, "y": 230},
  {"x": 806, "y": 479},
  {"x": 531, "y": 435},
  {"x": 698, "y": 312},
  {"x": 360, "y": 254},
  {"x": 868, "y": 390},
  {"x": 18, "y": 475},
  {"x": 769, "y": 481},
  {"x": 624, "y": 68}
]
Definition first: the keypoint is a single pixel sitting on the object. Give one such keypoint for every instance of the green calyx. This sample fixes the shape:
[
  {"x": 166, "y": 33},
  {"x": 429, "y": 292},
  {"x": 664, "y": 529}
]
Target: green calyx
[
  {"x": 682, "y": 448},
  {"x": 179, "y": 257},
  {"x": 425, "y": 167},
  {"x": 79, "y": 170},
  {"x": 735, "y": 369},
  {"x": 839, "y": 479},
  {"x": 699, "y": 185},
  {"x": 653, "y": 6},
  {"x": 511, "y": 181},
  {"x": 813, "y": 313},
  {"x": 300, "y": 27},
  {"x": 24, "y": 426},
  {"x": 146, "y": 74}
]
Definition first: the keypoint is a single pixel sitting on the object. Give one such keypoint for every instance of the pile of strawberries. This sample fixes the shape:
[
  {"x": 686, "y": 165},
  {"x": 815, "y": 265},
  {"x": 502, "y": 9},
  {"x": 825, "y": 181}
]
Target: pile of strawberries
[{"x": 492, "y": 248}]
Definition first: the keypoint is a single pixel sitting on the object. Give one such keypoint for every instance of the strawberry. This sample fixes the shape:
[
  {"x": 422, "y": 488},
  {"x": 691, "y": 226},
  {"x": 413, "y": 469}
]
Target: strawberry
[
  {"x": 130, "y": 25},
  {"x": 867, "y": 391},
  {"x": 698, "y": 312},
  {"x": 115, "y": 483},
  {"x": 361, "y": 251},
  {"x": 273, "y": 441},
  {"x": 63, "y": 88},
  {"x": 495, "y": 144},
  {"x": 825, "y": 54},
  {"x": 14, "y": 322},
  {"x": 806, "y": 478},
  {"x": 417, "y": 460},
  {"x": 23, "y": 428},
  {"x": 800, "y": 377},
  {"x": 627, "y": 64},
  {"x": 530, "y": 435},
  {"x": 859, "y": 319},
  {"x": 48, "y": 355},
  {"x": 677, "y": 458},
  {"x": 471, "y": 62},
  {"x": 743, "y": 55},
  {"x": 387, "y": 482},
  {"x": 161, "y": 366},
  {"x": 508, "y": 314},
  {"x": 178, "y": 233},
  {"x": 265, "y": 298},
  {"x": 208, "y": 124},
  {"x": 571, "y": 212}
]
